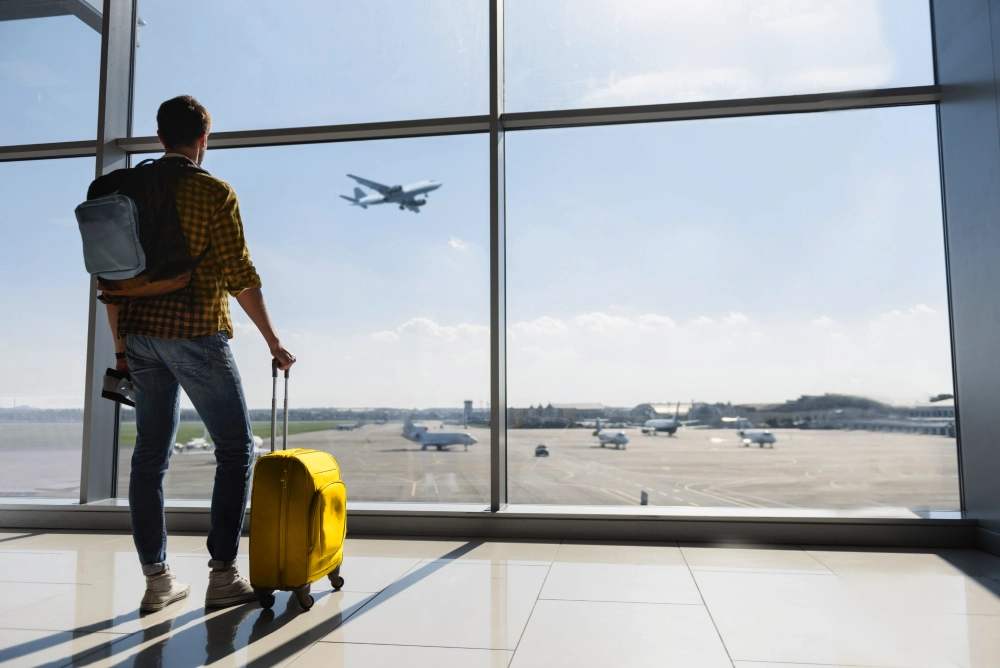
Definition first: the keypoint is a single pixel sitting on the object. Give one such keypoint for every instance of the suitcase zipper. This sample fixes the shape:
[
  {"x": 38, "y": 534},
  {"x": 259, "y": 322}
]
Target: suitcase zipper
[{"x": 282, "y": 529}]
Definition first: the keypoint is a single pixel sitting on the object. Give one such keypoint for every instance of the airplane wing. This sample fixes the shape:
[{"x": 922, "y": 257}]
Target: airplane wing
[{"x": 378, "y": 187}]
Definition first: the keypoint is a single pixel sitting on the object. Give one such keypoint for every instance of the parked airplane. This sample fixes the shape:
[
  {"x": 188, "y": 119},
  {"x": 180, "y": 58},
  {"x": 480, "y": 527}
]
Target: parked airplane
[
  {"x": 350, "y": 427},
  {"x": 440, "y": 440},
  {"x": 610, "y": 437},
  {"x": 258, "y": 448},
  {"x": 758, "y": 436},
  {"x": 404, "y": 196},
  {"x": 202, "y": 443},
  {"x": 669, "y": 425}
]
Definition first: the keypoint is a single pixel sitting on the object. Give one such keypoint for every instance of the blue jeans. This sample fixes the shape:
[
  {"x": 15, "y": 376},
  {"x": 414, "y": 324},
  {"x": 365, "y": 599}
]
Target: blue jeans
[{"x": 207, "y": 372}]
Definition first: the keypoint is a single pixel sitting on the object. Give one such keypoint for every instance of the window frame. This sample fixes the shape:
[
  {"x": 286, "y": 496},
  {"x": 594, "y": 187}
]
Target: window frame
[{"x": 115, "y": 144}]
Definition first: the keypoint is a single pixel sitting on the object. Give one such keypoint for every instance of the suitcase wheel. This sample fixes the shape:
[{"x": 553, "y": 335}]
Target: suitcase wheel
[
  {"x": 265, "y": 597},
  {"x": 335, "y": 580},
  {"x": 303, "y": 597}
]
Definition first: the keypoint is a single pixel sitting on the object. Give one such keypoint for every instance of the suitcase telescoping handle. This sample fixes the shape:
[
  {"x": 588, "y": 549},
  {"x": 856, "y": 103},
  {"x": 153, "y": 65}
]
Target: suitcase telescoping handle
[{"x": 274, "y": 407}]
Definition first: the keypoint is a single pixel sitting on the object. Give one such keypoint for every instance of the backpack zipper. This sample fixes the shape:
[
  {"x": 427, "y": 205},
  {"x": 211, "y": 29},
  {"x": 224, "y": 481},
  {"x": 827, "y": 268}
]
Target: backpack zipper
[{"x": 282, "y": 529}]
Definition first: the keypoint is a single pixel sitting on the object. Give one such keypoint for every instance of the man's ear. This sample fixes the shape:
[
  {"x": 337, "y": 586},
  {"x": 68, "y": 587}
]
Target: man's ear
[
  {"x": 160, "y": 139},
  {"x": 204, "y": 141}
]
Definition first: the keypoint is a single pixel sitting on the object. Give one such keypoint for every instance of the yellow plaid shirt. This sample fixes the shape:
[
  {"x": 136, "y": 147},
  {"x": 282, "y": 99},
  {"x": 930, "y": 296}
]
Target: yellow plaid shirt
[{"x": 209, "y": 214}]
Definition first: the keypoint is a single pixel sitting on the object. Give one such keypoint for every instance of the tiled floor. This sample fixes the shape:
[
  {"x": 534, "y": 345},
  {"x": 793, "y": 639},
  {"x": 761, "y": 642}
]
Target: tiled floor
[{"x": 72, "y": 599}]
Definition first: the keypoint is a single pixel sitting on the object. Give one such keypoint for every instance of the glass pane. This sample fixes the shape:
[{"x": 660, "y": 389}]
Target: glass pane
[
  {"x": 257, "y": 64},
  {"x": 783, "y": 276},
  {"x": 42, "y": 350},
  {"x": 600, "y": 53},
  {"x": 387, "y": 311},
  {"x": 49, "y": 73}
]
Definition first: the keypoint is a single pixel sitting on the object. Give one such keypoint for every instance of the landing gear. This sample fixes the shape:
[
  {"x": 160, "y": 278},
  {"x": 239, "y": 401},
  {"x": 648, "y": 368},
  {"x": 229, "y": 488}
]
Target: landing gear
[{"x": 401, "y": 207}]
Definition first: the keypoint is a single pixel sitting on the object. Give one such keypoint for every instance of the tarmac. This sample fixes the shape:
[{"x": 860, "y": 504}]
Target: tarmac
[
  {"x": 697, "y": 467},
  {"x": 708, "y": 468}
]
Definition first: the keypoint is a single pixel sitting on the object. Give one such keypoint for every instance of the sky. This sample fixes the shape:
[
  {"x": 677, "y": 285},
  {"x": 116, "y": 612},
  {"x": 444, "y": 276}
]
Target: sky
[{"x": 744, "y": 260}]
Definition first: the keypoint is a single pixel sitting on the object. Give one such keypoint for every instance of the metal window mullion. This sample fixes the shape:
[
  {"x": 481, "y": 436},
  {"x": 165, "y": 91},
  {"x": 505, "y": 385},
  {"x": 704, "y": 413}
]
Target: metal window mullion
[
  {"x": 114, "y": 116},
  {"x": 498, "y": 259}
]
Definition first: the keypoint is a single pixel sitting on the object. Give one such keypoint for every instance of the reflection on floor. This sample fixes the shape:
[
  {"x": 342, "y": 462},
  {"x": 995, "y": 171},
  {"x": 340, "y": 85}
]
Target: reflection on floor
[{"x": 72, "y": 599}]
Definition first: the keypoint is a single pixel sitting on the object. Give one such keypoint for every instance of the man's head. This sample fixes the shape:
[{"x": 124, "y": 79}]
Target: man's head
[{"x": 182, "y": 125}]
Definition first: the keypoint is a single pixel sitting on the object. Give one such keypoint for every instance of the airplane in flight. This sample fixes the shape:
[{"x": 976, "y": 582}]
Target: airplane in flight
[
  {"x": 439, "y": 440},
  {"x": 405, "y": 196},
  {"x": 668, "y": 425},
  {"x": 758, "y": 436},
  {"x": 610, "y": 437}
]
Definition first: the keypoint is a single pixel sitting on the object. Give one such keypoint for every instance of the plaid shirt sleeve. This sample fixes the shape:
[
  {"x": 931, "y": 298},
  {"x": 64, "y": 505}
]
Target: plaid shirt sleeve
[{"x": 230, "y": 247}]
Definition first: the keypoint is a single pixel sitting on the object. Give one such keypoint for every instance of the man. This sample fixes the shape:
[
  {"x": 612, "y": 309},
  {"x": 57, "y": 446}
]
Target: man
[{"x": 180, "y": 341}]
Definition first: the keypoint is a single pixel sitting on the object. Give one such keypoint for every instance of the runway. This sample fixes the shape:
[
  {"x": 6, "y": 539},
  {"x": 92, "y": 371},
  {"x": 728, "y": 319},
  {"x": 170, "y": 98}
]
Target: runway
[{"x": 707, "y": 468}]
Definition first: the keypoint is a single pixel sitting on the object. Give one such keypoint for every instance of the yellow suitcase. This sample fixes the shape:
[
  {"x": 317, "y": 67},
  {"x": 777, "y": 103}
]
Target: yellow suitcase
[{"x": 298, "y": 517}]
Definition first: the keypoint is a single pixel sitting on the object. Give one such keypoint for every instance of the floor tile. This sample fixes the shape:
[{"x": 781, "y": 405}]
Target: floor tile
[
  {"x": 19, "y": 595},
  {"x": 765, "y": 664},
  {"x": 450, "y": 604},
  {"x": 971, "y": 562},
  {"x": 946, "y": 594},
  {"x": 351, "y": 655},
  {"x": 817, "y": 619},
  {"x": 113, "y": 604},
  {"x": 620, "y": 553},
  {"x": 628, "y": 583},
  {"x": 65, "y": 540},
  {"x": 882, "y": 560},
  {"x": 38, "y": 648},
  {"x": 581, "y": 634},
  {"x": 373, "y": 574},
  {"x": 235, "y": 636},
  {"x": 524, "y": 552},
  {"x": 418, "y": 548},
  {"x": 764, "y": 559},
  {"x": 972, "y": 641}
]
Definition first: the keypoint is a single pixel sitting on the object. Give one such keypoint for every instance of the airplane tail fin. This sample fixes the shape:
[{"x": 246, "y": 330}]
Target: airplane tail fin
[
  {"x": 677, "y": 411},
  {"x": 359, "y": 194}
]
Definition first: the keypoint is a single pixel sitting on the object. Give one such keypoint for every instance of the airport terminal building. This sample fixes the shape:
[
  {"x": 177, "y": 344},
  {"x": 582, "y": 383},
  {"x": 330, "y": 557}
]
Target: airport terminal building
[{"x": 640, "y": 333}]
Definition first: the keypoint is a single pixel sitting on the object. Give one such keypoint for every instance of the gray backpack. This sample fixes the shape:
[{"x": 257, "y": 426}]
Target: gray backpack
[{"x": 133, "y": 241}]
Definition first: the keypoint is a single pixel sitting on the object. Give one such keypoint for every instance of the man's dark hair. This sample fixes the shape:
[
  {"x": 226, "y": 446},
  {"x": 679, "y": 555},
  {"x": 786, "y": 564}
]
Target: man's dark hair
[{"x": 182, "y": 121}]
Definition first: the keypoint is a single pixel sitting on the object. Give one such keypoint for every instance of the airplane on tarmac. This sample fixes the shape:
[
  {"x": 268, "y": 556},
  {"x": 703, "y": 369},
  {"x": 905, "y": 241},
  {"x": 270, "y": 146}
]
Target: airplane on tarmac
[
  {"x": 610, "y": 437},
  {"x": 350, "y": 427},
  {"x": 669, "y": 425},
  {"x": 404, "y": 196},
  {"x": 758, "y": 436},
  {"x": 440, "y": 440}
]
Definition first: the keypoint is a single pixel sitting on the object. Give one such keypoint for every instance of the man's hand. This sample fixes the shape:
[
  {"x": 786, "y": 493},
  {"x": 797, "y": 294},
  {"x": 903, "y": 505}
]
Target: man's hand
[
  {"x": 122, "y": 365},
  {"x": 285, "y": 358}
]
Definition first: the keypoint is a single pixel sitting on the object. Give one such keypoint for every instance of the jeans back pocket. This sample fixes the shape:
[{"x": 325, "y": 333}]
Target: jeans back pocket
[{"x": 192, "y": 356}]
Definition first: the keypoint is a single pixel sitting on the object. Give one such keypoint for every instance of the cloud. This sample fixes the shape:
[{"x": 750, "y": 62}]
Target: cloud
[
  {"x": 602, "y": 322},
  {"x": 702, "y": 320},
  {"x": 822, "y": 321},
  {"x": 458, "y": 244},
  {"x": 447, "y": 332},
  {"x": 385, "y": 336},
  {"x": 734, "y": 318},
  {"x": 720, "y": 49},
  {"x": 542, "y": 325},
  {"x": 651, "y": 321}
]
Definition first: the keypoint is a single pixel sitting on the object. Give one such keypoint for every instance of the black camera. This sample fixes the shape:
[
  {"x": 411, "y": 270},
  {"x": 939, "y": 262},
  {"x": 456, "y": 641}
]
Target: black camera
[{"x": 118, "y": 387}]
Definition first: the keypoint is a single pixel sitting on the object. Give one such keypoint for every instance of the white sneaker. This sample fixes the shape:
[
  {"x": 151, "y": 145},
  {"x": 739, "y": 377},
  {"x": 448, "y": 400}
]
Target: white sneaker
[
  {"x": 228, "y": 587},
  {"x": 162, "y": 590}
]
